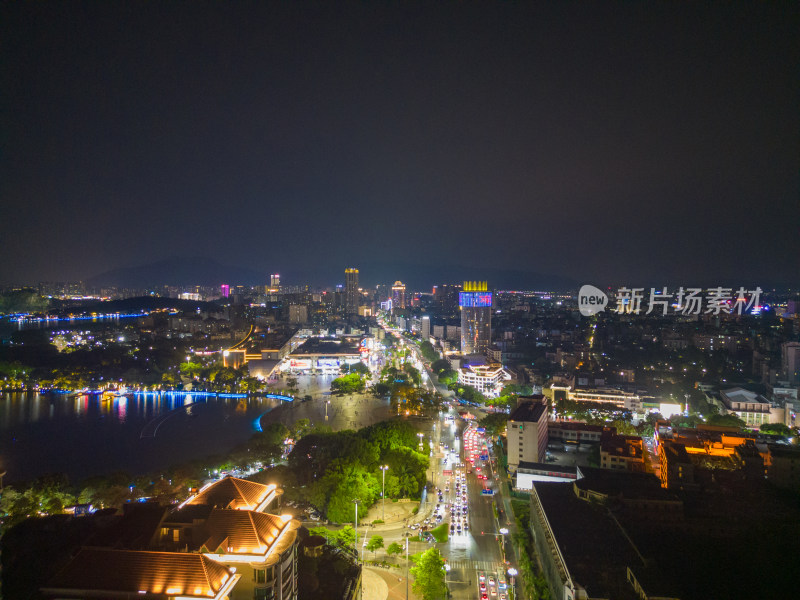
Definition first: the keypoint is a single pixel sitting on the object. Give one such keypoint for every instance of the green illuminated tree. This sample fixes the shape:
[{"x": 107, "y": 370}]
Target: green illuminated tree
[
  {"x": 429, "y": 574},
  {"x": 374, "y": 544}
]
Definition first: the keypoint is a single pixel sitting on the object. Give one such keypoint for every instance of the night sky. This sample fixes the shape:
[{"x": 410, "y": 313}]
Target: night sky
[{"x": 637, "y": 141}]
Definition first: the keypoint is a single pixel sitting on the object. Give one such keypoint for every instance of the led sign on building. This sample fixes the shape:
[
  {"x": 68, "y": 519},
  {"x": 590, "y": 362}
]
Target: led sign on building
[{"x": 475, "y": 299}]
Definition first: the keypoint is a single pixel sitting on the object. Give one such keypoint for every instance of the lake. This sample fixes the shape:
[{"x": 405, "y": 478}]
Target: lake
[{"x": 82, "y": 436}]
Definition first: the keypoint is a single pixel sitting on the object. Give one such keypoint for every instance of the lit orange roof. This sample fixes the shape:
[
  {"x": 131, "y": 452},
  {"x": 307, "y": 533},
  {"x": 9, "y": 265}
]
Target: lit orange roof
[
  {"x": 244, "y": 531},
  {"x": 231, "y": 492},
  {"x": 103, "y": 570}
]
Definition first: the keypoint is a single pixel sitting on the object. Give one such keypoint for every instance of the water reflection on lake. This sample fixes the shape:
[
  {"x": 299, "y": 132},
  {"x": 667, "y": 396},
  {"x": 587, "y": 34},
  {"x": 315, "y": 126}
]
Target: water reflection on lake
[{"x": 89, "y": 435}]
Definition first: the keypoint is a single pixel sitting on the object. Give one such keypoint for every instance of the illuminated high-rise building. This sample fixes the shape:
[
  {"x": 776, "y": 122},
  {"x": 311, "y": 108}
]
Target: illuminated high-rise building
[
  {"x": 399, "y": 295},
  {"x": 226, "y": 290},
  {"x": 274, "y": 283},
  {"x": 445, "y": 299},
  {"x": 352, "y": 295},
  {"x": 475, "y": 302}
]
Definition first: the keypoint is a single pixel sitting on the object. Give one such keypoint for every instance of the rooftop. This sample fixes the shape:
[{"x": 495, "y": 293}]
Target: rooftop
[
  {"x": 577, "y": 426},
  {"x": 248, "y": 532},
  {"x": 553, "y": 468},
  {"x": 623, "y": 484},
  {"x": 594, "y": 549},
  {"x": 116, "y": 572},
  {"x": 530, "y": 410},
  {"x": 232, "y": 492},
  {"x": 328, "y": 347}
]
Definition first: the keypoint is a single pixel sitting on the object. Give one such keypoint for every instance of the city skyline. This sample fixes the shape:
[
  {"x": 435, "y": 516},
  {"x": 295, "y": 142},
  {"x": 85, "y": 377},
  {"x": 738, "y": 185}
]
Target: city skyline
[{"x": 594, "y": 143}]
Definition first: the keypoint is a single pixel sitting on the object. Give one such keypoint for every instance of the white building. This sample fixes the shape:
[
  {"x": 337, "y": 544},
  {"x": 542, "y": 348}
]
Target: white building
[
  {"x": 425, "y": 328},
  {"x": 527, "y": 432},
  {"x": 752, "y": 408},
  {"x": 487, "y": 379}
]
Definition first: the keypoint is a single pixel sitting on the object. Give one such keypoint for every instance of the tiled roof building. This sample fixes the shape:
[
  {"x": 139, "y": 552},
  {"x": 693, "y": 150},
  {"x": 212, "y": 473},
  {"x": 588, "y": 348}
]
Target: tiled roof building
[
  {"x": 239, "y": 494},
  {"x": 107, "y": 573}
]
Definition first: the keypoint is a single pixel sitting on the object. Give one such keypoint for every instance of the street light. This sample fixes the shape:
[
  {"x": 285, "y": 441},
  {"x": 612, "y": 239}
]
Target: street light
[
  {"x": 407, "y": 541},
  {"x": 383, "y": 493},
  {"x": 504, "y": 532},
  {"x": 512, "y": 572},
  {"x": 420, "y": 435},
  {"x": 356, "y": 501}
]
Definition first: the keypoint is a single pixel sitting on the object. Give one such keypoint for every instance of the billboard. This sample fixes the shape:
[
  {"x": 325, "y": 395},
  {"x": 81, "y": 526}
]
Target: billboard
[{"x": 475, "y": 299}]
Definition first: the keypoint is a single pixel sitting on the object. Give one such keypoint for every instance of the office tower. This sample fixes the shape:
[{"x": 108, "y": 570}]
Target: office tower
[
  {"x": 274, "y": 283},
  {"x": 476, "y": 317},
  {"x": 790, "y": 362},
  {"x": 399, "y": 295},
  {"x": 446, "y": 298},
  {"x": 425, "y": 328},
  {"x": 352, "y": 295},
  {"x": 226, "y": 290},
  {"x": 527, "y": 431}
]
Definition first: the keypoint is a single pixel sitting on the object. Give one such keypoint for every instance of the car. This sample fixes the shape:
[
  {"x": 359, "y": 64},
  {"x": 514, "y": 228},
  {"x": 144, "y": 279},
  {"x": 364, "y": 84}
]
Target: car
[
  {"x": 483, "y": 586},
  {"x": 492, "y": 580},
  {"x": 484, "y": 596},
  {"x": 481, "y": 576}
]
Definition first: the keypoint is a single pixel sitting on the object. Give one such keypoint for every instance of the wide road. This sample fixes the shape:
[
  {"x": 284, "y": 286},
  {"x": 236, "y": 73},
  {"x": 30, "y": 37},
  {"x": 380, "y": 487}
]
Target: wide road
[{"x": 467, "y": 553}]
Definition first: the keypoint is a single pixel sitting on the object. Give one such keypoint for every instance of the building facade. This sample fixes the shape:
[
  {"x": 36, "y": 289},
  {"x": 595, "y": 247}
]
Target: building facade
[
  {"x": 476, "y": 317},
  {"x": 398, "y": 295},
  {"x": 527, "y": 432},
  {"x": 487, "y": 379},
  {"x": 352, "y": 295}
]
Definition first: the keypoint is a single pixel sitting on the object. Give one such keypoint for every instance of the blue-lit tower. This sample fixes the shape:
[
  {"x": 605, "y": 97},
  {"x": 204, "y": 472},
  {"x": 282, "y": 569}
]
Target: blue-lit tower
[{"x": 475, "y": 302}]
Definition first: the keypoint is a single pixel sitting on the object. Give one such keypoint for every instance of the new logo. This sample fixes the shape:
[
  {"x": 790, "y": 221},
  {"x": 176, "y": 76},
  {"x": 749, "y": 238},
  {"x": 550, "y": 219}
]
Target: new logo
[{"x": 591, "y": 300}]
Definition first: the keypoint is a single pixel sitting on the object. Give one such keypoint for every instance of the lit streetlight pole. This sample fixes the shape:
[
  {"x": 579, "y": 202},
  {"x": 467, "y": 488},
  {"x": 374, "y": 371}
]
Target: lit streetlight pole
[
  {"x": 356, "y": 501},
  {"x": 406, "y": 568},
  {"x": 504, "y": 532},
  {"x": 512, "y": 572},
  {"x": 384, "y": 468}
]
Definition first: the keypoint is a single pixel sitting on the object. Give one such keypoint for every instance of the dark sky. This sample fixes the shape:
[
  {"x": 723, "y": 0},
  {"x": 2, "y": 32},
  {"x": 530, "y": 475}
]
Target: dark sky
[{"x": 621, "y": 141}]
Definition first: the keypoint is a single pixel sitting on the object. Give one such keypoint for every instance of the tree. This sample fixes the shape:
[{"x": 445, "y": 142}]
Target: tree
[
  {"x": 275, "y": 433},
  {"x": 729, "y": 420},
  {"x": 379, "y": 390},
  {"x": 429, "y": 576},
  {"x": 448, "y": 376},
  {"x": 776, "y": 428},
  {"x": 428, "y": 352},
  {"x": 300, "y": 428},
  {"x": 394, "y": 548},
  {"x": 413, "y": 373},
  {"x": 374, "y": 544},
  {"x": 516, "y": 389},
  {"x": 359, "y": 368},
  {"x": 348, "y": 384},
  {"x": 494, "y": 423},
  {"x": 342, "y": 538},
  {"x": 191, "y": 369},
  {"x": 440, "y": 365}
]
